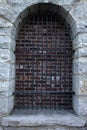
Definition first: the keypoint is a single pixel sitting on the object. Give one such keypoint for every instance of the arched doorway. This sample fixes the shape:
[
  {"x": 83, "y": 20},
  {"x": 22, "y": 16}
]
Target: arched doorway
[{"x": 44, "y": 62}]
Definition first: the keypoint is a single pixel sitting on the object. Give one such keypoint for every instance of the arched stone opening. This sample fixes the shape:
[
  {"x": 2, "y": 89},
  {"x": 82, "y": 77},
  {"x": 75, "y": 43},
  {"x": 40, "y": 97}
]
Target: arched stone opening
[
  {"x": 9, "y": 67},
  {"x": 44, "y": 57}
]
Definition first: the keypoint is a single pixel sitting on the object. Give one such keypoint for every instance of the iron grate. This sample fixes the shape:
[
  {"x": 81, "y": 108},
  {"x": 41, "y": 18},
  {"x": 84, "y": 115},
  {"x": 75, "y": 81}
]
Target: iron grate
[{"x": 43, "y": 64}]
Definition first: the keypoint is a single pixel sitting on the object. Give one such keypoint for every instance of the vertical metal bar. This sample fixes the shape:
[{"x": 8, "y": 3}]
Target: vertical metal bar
[
  {"x": 46, "y": 56},
  {"x": 64, "y": 67},
  {"x": 70, "y": 72},
  {"x": 18, "y": 64},
  {"x": 28, "y": 59},
  {"x": 37, "y": 63},
  {"x": 32, "y": 62},
  {"x": 42, "y": 65},
  {"x": 23, "y": 64},
  {"x": 51, "y": 65},
  {"x": 60, "y": 58},
  {"x": 55, "y": 60}
]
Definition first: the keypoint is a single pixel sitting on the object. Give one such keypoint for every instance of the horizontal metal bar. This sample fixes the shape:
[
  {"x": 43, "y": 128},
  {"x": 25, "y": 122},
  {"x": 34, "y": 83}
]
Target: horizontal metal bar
[{"x": 47, "y": 92}]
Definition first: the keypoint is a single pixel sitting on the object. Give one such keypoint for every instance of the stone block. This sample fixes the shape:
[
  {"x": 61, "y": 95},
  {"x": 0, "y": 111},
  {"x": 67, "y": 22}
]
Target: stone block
[
  {"x": 45, "y": 119},
  {"x": 6, "y": 105},
  {"x": 6, "y": 42},
  {"x": 80, "y": 52},
  {"x": 70, "y": 20},
  {"x": 17, "y": 24},
  {"x": 7, "y": 13},
  {"x": 80, "y": 12},
  {"x": 80, "y": 105},
  {"x": 12, "y": 12},
  {"x": 80, "y": 26},
  {"x": 36, "y": 128},
  {"x": 69, "y": 2},
  {"x": 80, "y": 84},
  {"x": 80, "y": 66},
  {"x": 63, "y": 2},
  {"x": 15, "y": 2},
  {"x": 19, "y": 128},
  {"x": 7, "y": 71},
  {"x": 5, "y": 23},
  {"x": 8, "y": 31},
  {"x": 3, "y": 1},
  {"x": 85, "y": 128},
  {"x": 1, "y": 128},
  {"x": 7, "y": 87},
  {"x": 80, "y": 41},
  {"x": 74, "y": 128},
  {"x": 6, "y": 56}
]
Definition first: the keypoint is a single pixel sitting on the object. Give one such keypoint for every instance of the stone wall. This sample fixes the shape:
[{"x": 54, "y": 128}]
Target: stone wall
[{"x": 11, "y": 14}]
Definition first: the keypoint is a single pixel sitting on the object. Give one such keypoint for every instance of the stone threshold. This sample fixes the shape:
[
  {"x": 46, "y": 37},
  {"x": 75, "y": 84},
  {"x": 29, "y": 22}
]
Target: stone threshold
[{"x": 43, "y": 118}]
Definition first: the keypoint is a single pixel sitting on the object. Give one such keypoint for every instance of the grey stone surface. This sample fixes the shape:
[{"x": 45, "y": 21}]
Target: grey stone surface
[
  {"x": 74, "y": 129},
  {"x": 6, "y": 105},
  {"x": 80, "y": 84},
  {"x": 84, "y": 128},
  {"x": 7, "y": 71},
  {"x": 6, "y": 42},
  {"x": 70, "y": 19},
  {"x": 79, "y": 26},
  {"x": 8, "y": 31},
  {"x": 80, "y": 41},
  {"x": 36, "y": 128},
  {"x": 5, "y": 23},
  {"x": 75, "y": 14},
  {"x": 7, "y": 87},
  {"x": 80, "y": 66},
  {"x": 62, "y": 118},
  {"x": 80, "y": 104},
  {"x": 3, "y": 1},
  {"x": 6, "y": 56},
  {"x": 80, "y": 52},
  {"x": 80, "y": 12},
  {"x": 63, "y": 2},
  {"x": 1, "y": 128}
]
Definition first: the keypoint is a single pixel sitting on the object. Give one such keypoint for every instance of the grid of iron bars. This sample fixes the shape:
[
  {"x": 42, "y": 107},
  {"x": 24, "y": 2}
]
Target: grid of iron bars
[{"x": 43, "y": 64}]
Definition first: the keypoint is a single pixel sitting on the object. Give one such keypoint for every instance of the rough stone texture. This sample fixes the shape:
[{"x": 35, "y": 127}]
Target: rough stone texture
[
  {"x": 1, "y": 128},
  {"x": 62, "y": 118},
  {"x": 80, "y": 12},
  {"x": 70, "y": 20},
  {"x": 74, "y": 129},
  {"x": 43, "y": 128},
  {"x": 3, "y": 1},
  {"x": 8, "y": 31},
  {"x": 80, "y": 52},
  {"x": 62, "y": 2},
  {"x": 7, "y": 87},
  {"x": 75, "y": 13},
  {"x": 80, "y": 66},
  {"x": 6, "y": 105},
  {"x": 6, "y": 42},
  {"x": 80, "y": 26},
  {"x": 4, "y": 23},
  {"x": 7, "y": 71},
  {"x": 6, "y": 56},
  {"x": 36, "y": 128},
  {"x": 80, "y": 84},
  {"x": 80, "y": 41},
  {"x": 80, "y": 104}
]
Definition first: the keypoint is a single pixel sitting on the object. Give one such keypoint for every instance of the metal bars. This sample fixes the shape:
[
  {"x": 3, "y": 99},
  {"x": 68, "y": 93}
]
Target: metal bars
[{"x": 43, "y": 64}]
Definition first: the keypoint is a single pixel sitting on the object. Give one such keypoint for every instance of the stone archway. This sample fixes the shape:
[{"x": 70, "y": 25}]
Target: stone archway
[{"x": 11, "y": 15}]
